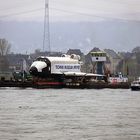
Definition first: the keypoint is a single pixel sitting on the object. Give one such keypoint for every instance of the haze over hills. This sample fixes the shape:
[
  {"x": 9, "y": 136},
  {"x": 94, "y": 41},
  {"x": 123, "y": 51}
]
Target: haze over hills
[{"x": 116, "y": 34}]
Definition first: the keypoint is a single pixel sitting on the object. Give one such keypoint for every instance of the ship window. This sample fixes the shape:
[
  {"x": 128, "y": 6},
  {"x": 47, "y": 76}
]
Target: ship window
[{"x": 41, "y": 59}]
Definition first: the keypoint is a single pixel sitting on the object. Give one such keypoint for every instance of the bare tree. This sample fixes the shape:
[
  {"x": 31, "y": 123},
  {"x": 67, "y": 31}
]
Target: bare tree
[
  {"x": 4, "y": 50},
  {"x": 4, "y": 47}
]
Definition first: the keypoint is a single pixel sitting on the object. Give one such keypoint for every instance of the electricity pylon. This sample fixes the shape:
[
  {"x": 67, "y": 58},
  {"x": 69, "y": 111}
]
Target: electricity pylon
[{"x": 46, "y": 35}]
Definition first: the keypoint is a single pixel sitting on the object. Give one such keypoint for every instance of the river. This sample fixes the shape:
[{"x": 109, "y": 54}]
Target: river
[{"x": 69, "y": 114}]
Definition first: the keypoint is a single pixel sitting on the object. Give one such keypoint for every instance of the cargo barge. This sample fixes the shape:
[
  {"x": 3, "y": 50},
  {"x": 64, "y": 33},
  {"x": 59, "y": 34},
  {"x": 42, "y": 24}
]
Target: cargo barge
[
  {"x": 63, "y": 72},
  {"x": 75, "y": 85}
]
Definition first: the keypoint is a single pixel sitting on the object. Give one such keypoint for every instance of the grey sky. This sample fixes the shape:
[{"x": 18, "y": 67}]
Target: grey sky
[{"x": 73, "y": 10}]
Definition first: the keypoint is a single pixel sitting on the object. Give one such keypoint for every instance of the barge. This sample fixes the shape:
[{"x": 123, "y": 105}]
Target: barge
[
  {"x": 62, "y": 72},
  {"x": 75, "y": 85}
]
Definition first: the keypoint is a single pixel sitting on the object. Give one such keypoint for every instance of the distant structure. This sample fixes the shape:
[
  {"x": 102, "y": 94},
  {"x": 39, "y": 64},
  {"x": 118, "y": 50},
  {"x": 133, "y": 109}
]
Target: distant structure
[
  {"x": 16, "y": 62},
  {"x": 82, "y": 57},
  {"x": 99, "y": 58},
  {"x": 75, "y": 51},
  {"x": 114, "y": 59},
  {"x": 46, "y": 36}
]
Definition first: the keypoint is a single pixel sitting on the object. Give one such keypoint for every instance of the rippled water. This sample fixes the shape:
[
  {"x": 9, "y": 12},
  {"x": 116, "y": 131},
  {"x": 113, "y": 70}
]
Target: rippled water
[{"x": 69, "y": 114}]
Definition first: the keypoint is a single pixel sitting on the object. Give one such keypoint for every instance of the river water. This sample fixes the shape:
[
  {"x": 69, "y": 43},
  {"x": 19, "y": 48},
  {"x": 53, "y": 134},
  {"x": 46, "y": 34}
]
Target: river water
[{"x": 69, "y": 114}]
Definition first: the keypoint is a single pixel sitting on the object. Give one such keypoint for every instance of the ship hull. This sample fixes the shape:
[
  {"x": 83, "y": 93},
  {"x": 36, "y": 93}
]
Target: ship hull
[{"x": 135, "y": 88}]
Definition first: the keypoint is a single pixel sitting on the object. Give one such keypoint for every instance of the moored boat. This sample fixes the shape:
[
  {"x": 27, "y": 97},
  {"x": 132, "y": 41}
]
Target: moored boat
[
  {"x": 135, "y": 85},
  {"x": 118, "y": 81}
]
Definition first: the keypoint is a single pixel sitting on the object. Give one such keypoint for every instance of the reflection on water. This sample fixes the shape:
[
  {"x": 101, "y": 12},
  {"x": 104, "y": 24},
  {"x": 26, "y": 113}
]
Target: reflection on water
[{"x": 69, "y": 114}]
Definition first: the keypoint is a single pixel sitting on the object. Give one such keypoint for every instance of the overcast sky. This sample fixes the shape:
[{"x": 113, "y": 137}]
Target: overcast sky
[{"x": 70, "y": 10}]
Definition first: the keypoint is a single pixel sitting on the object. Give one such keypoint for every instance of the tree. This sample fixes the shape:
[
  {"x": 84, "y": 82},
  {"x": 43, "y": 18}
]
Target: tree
[
  {"x": 138, "y": 57},
  {"x": 4, "y": 50},
  {"x": 37, "y": 51},
  {"x": 4, "y": 64},
  {"x": 136, "y": 49},
  {"x": 4, "y": 47}
]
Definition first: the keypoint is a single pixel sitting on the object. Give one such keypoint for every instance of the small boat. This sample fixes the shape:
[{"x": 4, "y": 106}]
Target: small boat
[
  {"x": 118, "y": 79},
  {"x": 135, "y": 85}
]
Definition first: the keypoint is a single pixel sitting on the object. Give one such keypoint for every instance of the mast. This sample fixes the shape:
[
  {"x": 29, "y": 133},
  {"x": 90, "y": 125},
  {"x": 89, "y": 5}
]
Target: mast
[{"x": 46, "y": 34}]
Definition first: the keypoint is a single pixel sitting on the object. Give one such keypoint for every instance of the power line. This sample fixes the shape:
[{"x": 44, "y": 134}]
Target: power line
[
  {"x": 21, "y": 13},
  {"x": 56, "y": 9},
  {"x": 60, "y": 10},
  {"x": 78, "y": 13},
  {"x": 11, "y": 8}
]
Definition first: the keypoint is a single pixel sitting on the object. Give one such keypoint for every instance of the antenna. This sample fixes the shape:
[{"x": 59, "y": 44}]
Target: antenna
[{"x": 46, "y": 34}]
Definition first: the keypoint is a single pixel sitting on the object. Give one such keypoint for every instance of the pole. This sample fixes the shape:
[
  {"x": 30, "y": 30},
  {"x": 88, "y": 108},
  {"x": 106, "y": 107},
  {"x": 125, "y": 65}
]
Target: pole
[{"x": 23, "y": 70}]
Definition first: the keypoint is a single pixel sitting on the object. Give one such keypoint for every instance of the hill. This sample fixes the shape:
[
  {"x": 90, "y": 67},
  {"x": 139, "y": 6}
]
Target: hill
[{"x": 115, "y": 34}]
